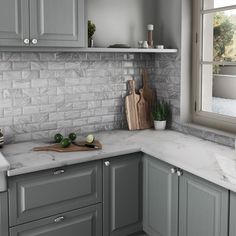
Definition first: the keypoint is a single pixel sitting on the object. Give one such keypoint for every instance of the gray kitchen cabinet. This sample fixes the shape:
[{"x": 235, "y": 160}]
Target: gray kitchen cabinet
[
  {"x": 45, "y": 193},
  {"x": 43, "y": 23},
  {"x": 57, "y": 23},
  {"x": 3, "y": 214},
  {"x": 14, "y": 22},
  {"x": 160, "y": 198},
  {"x": 232, "y": 214},
  {"x": 86, "y": 222},
  {"x": 178, "y": 203},
  {"x": 203, "y": 208},
  {"x": 122, "y": 197}
]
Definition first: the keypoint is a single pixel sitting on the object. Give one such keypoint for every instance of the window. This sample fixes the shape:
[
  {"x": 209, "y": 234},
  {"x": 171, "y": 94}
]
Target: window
[{"x": 214, "y": 64}]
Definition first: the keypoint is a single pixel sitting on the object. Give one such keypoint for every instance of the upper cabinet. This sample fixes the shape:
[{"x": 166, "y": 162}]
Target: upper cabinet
[{"x": 43, "y": 23}]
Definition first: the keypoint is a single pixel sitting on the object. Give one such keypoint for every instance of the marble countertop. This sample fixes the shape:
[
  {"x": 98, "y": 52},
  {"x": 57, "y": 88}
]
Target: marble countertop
[{"x": 189, "y": 153}]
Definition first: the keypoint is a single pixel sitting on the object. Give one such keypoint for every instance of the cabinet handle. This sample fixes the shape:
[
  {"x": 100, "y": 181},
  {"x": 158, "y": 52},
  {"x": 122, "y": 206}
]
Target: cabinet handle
[
  {"x": 26, "y": 41},
  {"x": 58, "y": 172},
  {"x": 107, "y": 163},
  {"x": 59, "y": 219},
  {"x": 179, "y": 172},
  {"x": 34, "y": 41},
  {"x": 173, "y": 170}
]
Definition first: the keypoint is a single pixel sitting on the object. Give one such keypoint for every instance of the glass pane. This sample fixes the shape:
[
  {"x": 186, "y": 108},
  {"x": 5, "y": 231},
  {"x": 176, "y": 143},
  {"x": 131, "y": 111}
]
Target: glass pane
[
  {"x": 211, "y": 4},
  {"x": 219, "y": 89},
  {"x": 219, "y": 36}
]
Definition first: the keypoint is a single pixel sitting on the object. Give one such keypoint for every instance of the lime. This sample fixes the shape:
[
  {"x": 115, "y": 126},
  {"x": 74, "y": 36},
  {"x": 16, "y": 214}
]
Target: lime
[
  {"x": 65, "y": 142},
  {"x": 90, "y": 138},
  {"x": 58, "y": 138},
  {"x": 72, "y": 136}
]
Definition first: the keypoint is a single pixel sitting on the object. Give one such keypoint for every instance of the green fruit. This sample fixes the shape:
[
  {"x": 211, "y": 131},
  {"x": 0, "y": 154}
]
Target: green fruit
[
  {"x": 72, "y": 136},
  {"x": 66, "y": 142},
  {"x": 58, "y": 138},
  {"x": 90, "y": 138}
]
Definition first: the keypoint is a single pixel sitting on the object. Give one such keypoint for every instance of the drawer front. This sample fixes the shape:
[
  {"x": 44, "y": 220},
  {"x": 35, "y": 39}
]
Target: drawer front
[
  {"x": 46, "y": 193},
  {"x": 86, "y": 221}
]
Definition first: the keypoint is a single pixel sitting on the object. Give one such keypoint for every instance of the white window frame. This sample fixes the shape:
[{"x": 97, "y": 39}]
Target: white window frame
[{"x": 205, "y": 118}]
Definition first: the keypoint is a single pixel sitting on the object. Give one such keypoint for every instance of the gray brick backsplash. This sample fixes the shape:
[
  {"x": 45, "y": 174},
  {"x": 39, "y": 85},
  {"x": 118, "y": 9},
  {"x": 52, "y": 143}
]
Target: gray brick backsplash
[{"x": 45, "y": 93}]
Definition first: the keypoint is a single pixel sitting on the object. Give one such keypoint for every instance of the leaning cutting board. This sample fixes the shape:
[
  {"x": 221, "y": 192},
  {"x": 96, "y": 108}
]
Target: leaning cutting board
[
  {"x": 143, "y": 112},
  {"x": 148, "y": 94},
  {"x": 72, "y": 148},
  {"x": 131, "y": 110}
]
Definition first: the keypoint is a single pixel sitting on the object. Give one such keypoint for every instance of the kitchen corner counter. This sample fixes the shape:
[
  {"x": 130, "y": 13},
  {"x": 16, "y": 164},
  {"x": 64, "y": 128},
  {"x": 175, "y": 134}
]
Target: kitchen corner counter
[{"x": 189, "y": 153}]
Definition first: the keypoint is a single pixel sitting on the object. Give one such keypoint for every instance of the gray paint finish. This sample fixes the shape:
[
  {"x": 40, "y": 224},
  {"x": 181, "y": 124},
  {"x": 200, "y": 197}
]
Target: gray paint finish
[
  {"x": 122, "y": 198},
  {"x": 86, "y": 222},
  {"x": 3, "y": 214},
  {"x": 45, "y": 193},
  {"x": 160, "y": 198},
  {"x": 58, "y": 23},
  {"x": 14, "y": 18},
  {"x": 232, "y": 214},
  {"x": 203, "y": 208}
]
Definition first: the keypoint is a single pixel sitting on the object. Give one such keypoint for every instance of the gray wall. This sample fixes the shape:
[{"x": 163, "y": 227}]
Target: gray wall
[{"x": 121, "y": 21}]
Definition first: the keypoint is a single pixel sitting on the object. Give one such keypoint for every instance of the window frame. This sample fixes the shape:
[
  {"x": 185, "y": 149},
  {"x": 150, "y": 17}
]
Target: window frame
[{"x": 209, "y": 119}]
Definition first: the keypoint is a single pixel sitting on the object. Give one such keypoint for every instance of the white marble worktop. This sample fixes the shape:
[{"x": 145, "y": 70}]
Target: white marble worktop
[{"x": 189, "y": 153}]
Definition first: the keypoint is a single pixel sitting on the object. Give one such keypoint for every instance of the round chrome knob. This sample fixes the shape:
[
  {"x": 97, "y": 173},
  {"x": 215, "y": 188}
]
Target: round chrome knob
[
  {"x": 26, "y": 41},
  {"x": 107, "y": 163},
  {"x": 179, "y": 172},
  {"x": 173, "y": 170},
  {"x": 34, "y": 41}
]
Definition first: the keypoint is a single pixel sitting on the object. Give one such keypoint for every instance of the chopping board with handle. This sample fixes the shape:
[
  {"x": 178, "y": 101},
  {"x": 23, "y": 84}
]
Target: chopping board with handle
[
  {"x": 143, "y": 112},
  {"x": 74, "y": 147},
  {"x": 131, "y": 110},
  {"x": 148, "y": 94}
]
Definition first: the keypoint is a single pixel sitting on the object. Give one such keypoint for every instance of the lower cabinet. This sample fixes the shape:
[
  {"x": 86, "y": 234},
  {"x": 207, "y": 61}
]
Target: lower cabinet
[
  {"x": 203, "y": 208},
  {"x": 122, "y": 197},
  {"x": 160, "y": 199},
  {"x": 232, "y": 223},
  {"x": 3, "y": 214},
  {"x": 178, "y": 203},
  {"x": 86, "y": 221}
]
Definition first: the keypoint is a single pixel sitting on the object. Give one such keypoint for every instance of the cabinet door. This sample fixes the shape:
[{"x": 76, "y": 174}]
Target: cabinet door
[
  {"x": 14, "y": 22},
  {"x": 122, "y": 195},
  {"x": 37, "y": 195},
  {"x": 203, "y": 208},
  {"x": 57, "y": 23},
  {"x": 85, "y": 222},
  {"x": 160, "y": 199},
  {"x": 3, "y": 214},
  {"x": 232, "y": 224}
]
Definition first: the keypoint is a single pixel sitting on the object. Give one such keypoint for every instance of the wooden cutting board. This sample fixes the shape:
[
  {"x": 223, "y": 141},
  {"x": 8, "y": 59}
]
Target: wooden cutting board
[
  {"x": 131, "y": 110},
  {"x": 72, "y": 148},
  {"x": 148, "y": 94},
  {"x": 143, "y": 112}
]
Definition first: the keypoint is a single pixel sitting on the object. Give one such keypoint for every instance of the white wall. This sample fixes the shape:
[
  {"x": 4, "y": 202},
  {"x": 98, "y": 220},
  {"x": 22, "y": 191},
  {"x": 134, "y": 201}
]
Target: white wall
[{"x": 121, "y": 21}]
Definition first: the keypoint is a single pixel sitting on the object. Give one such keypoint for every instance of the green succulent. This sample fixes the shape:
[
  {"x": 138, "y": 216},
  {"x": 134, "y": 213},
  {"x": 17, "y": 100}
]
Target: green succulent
[
  {"x": 161, "y": 111},
  {"x": 91, "y": 29}
]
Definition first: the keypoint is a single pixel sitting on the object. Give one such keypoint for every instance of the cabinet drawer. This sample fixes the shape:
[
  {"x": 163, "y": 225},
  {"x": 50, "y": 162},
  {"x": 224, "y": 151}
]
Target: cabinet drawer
[
  {"x": 86, "y": 221},
  {"x": 46, "y": 193}
]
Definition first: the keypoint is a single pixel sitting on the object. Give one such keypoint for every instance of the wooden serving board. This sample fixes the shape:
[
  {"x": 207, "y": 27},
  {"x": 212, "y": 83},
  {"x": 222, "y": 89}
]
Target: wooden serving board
[
  {"x": 131, "y": 110},
  {"x": 149, "y": 95},
  {"x": 143, "y": 112},
  {"x": 72, "y": 148}
]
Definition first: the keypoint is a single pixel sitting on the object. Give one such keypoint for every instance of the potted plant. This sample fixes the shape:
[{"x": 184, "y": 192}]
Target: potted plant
[
  {"x": 160, "y": 114},
  {"x": 91, "y": 31}
]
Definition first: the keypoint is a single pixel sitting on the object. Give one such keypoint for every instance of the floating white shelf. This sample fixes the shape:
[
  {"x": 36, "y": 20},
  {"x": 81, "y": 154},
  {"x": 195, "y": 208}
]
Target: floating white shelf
[
  {"x": 128, "y": 50},
  {"x": 54, "y": 49}
]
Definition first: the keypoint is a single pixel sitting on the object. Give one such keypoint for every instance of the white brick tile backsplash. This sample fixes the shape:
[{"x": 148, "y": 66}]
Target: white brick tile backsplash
[{"x": 45, "y": 93}]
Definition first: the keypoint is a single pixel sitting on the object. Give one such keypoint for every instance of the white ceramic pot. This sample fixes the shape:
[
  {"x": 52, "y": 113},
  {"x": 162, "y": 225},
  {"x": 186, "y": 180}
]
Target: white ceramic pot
[{"x": 160, "y": 125}]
